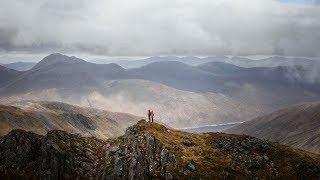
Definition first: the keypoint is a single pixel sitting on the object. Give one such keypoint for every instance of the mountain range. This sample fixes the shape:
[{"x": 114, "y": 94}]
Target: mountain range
[
  {"x": 206, "y": 94},
  {"x": 272, "y": 61},
  {"x": 67, "y": 118}
]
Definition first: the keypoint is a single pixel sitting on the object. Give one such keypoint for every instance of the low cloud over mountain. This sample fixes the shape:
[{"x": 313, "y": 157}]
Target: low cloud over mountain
[{"x": 238, "y": 27}]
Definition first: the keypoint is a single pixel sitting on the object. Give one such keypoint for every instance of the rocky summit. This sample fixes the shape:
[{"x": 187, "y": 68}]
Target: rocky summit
[{"x": 151, "y": 151}]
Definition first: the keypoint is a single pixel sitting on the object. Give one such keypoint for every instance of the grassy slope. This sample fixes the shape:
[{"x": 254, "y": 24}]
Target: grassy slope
[
  {"x": 214, "y": 155},
  {"x": 212, "y": 161},
  {"x": 297, "y": 126},
  {"x": 40, "y": 117}
]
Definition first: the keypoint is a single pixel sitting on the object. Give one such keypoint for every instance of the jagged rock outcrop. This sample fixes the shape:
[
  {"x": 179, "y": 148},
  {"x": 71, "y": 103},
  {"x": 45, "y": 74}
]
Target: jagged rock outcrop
[
  {"x": 142, "y": 156},
  {"x": 150, "y": 151},
  {"x": 136, "y": 155},
  {"x": 56, "y": 155}
]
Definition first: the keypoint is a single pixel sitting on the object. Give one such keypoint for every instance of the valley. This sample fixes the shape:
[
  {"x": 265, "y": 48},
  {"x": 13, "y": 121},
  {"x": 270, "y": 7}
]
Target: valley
[
  {"x": 92, "y": 116},
  {"x": 182, "y": 95},
  {"x": 160, "y": 89}
]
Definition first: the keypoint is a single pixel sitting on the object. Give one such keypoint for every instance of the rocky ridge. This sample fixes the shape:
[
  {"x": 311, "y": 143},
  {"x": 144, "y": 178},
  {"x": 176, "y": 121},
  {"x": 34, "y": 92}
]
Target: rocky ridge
[{"x": 150, "y": 150}]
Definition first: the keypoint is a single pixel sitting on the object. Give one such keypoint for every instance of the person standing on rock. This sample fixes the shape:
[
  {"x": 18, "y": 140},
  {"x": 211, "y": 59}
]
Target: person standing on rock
[
  {"x": 152, "y": 114},
  {"x": 149, "y": 115}
]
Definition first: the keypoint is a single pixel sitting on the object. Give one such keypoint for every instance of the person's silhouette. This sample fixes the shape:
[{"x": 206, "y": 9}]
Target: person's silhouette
[
  {"x": 149, "y": 115},
  {"x": 152, "y": 115}
]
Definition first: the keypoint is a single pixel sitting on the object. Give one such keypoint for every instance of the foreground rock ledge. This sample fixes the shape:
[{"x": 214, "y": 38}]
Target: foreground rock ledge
[{"x": 150, "y": 150}]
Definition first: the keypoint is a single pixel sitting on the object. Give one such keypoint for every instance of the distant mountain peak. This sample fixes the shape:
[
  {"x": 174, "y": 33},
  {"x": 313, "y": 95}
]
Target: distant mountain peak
[
  {"x": 3, "y": 68},
  {"x": 56, "y": 58},
  {"x": 166, "y": 64}
]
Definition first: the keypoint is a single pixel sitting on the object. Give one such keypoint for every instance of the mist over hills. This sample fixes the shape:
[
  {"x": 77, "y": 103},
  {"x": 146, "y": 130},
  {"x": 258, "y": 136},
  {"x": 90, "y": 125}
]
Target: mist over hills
[
  {"x": 178, "y": 75},
  {"x": 297, "y": 126},
  {"x": 7, "y": 74},
  {"x": 294, "y": 75},
  {"x": 175, "y": 107},
  {"x": 272, "y": 61},
  {"x": 190, "y": 60},
  {"x": 62, "y": 95},
  {"x": 20, "y": 66},
  {"x": 205, "y": 94},
  {"x": 268, "y": 88}
]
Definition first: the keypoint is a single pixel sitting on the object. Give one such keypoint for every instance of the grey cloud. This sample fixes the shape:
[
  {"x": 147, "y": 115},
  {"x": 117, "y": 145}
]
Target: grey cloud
[{"x": 149, "y": 27}]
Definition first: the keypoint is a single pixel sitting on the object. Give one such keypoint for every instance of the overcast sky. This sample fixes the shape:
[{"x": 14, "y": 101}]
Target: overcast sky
[{"x": 160, "y": 27}]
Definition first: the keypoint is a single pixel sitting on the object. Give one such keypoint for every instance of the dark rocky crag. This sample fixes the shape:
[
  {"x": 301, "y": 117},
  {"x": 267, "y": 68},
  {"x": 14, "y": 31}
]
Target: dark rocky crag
[
  {"x": 63, "y": 155},
  {"x": 150, "y": 151}
]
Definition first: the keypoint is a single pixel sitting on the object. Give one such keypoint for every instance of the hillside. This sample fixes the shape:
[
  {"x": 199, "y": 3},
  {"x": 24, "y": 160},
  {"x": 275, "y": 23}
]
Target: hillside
[
  {"x": 20, "y": 66},
  {"x": 297, "y": 126},
  {"x": 7, "y": 74},
  {"x": 151, "y": 151},
  {"x": 40, "y": 117},
  {"x": 294, "y": 75},
  {"x": 266, "y": 88},
  {"x": 60, "y": 71},
  {"x": 174, "y": 107},
  {"x": 179, "y": 75}
]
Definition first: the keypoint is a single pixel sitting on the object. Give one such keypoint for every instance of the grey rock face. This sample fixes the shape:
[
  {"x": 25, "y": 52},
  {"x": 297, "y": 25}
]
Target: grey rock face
[
  {"x": 137, "y": 155},
  {"x": 142, "y": 156},
  {"x": 243, "y": 150},
  {"x": 187, "y": 142},
  {"x": 34, "y": 156},
  {"x": 191, "y": 166}
]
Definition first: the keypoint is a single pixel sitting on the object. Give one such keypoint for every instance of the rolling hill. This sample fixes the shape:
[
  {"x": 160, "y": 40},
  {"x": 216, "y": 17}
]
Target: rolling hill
[
  {"x": 297, "y": 126},
  {"x": 40, "y": 117}
]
